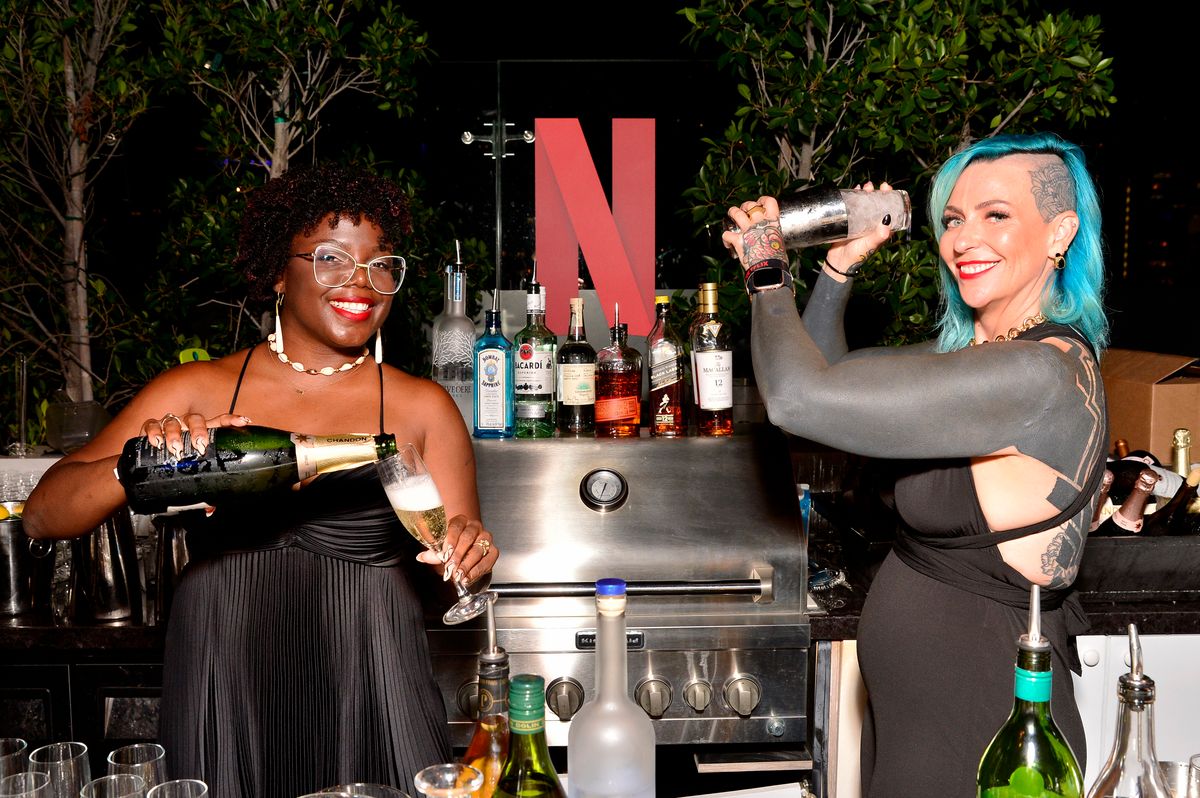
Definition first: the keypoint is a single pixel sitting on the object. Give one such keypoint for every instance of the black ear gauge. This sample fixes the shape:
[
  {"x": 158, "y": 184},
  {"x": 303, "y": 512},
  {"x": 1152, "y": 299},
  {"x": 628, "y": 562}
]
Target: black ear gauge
[{"x": 887, "y": 219}]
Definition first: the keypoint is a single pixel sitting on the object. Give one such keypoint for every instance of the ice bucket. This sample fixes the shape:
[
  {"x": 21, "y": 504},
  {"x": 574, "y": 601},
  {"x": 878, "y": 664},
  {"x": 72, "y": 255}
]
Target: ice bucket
[{"x": 26, "y": 568}]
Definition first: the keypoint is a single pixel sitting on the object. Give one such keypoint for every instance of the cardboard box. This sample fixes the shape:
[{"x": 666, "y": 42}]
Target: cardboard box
[{"x": 1149, "y": 397}]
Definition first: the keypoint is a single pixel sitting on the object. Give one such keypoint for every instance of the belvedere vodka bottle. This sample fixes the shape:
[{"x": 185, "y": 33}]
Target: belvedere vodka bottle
[{"x": 454, "y": 339}]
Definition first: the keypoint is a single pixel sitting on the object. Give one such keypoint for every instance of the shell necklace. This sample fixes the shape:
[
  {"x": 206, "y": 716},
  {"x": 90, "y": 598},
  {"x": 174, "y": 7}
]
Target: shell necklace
[{"x": 328, "y": 371}]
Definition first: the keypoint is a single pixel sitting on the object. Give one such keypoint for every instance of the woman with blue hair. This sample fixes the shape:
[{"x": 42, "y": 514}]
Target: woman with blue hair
[{"x": 1000, "y": 431}]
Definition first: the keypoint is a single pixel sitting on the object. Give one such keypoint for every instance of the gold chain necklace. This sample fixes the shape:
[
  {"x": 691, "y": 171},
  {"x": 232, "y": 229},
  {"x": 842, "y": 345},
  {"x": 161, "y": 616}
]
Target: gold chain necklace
[
  {"x": 328, "y": 371},
  {"x": 1026, "y": 325}
]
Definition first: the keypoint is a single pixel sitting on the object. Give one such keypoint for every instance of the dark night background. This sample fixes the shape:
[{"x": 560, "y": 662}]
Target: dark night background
[{"x": 623, "y": 59}]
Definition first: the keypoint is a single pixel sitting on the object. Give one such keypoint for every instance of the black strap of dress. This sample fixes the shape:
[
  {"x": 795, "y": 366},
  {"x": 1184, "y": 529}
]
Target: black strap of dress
[{"x": 237, "y": 389}]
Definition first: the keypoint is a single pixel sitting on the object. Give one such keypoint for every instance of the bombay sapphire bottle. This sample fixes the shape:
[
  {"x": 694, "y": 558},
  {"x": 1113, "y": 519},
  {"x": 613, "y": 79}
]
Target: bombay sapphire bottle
[{"x": 494, "y": 411}]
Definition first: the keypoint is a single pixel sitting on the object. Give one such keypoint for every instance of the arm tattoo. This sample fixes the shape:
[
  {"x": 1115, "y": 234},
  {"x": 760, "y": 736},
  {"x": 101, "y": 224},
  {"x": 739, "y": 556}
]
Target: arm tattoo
[
  {"x": 1060, "y": 560},
  {"x": 1053, "y": 190},
  {"x": 762, "y": 242}
]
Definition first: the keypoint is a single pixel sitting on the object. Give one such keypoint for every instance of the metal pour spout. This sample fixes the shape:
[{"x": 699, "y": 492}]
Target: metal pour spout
[{"x": 1032, "y": 640}]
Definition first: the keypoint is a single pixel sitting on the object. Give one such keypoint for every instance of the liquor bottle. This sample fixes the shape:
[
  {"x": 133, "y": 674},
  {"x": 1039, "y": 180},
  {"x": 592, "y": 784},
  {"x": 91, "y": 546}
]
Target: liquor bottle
[
  {"x": 665, "y": 351},
  {"x": 488, "y": 748},
  {"x": 237, "y": 462},
  {"x": 712, "y": 367},
  {"x": 576, "y": 379},
  {"x": 610, "y": 747},
  {"x": 528, "y": 771},
  {"x": 454, "y": 339},
  {"x": 1132, "y": 769},
  {"x": 1098, "y": 515},
  {"x": 1181, "y": 451},
  {"x": 1130, "y": 516},
  {"x": 534, "y": 368},
  {"x": 1029, "y": 756},
  {"x": 493, "y": 379},
  {"x": 618, "y": 385}
]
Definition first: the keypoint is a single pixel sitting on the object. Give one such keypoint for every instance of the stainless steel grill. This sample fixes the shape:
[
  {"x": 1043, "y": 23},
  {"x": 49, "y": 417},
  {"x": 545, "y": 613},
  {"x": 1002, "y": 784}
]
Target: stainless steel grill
[{"x": 705, "y": 532}]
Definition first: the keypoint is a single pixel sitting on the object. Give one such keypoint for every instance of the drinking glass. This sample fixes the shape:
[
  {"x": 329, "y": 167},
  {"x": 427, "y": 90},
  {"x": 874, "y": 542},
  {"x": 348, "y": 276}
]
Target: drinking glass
[
  {"x": 418, "y": 505},
  {"x": 367, "y": 790},
  {"x": 451, "y": 780},
  {"x": 66, "y": 764},
  {"x": 26, "y": 785},
  {"x": 121, "y": 785},
  {"x": 179, "y": 788},
  {"x": 147, "y": 760},
  {"x": 12, "y": 756},
  {"x": 1193, "y": 790}
]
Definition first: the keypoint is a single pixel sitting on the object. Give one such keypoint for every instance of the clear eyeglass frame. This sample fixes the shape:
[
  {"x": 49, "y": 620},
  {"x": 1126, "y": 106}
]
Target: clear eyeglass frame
[{"x": 333, "y": 267}]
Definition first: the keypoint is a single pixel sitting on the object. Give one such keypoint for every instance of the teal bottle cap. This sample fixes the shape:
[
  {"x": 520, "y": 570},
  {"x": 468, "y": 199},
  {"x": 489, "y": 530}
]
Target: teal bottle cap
[{"x": 526, "y": 697}]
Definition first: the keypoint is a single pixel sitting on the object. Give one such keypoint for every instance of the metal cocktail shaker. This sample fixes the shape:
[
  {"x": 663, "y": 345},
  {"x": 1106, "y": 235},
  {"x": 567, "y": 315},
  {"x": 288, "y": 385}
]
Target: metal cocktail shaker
[{"x": 821, "y": 214}]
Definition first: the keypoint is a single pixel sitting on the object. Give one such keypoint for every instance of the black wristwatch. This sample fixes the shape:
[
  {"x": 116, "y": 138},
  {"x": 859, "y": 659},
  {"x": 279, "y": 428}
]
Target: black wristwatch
[{"x": 768, "y": 275}]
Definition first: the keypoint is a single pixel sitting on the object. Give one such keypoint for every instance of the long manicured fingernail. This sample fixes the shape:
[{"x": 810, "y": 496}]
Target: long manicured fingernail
[
  {"x": 246, "y": 420},
  {"x": 177, "y": 448},
  {"x": 448, "y": 571},
  {"x": 200, "y": 444}
]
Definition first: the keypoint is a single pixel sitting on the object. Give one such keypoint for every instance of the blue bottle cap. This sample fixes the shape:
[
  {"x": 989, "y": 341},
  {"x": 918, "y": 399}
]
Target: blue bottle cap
[{"x": 610, "y": 587}]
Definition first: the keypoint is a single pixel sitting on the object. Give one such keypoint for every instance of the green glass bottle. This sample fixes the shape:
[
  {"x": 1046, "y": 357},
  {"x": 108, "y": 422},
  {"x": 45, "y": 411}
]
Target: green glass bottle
[
  {"x": 1029, "y": 757},
  {"x": 528, "y": 771}
]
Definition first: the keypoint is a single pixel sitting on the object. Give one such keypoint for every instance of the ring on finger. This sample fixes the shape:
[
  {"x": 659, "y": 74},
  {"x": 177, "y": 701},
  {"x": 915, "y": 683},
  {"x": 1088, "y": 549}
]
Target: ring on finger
[
  {"x": 170, "y": 417},
  {"x": 750, "y": 211},
  {"x": 484, "y": 544}
]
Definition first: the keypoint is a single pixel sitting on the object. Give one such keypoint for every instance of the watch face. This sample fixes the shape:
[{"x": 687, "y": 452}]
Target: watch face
[{"x": 603, "y": 490}]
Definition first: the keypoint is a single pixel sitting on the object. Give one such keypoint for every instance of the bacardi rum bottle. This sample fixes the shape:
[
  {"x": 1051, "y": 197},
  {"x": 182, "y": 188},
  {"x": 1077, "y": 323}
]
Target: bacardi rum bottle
[{"x": 533, "y": 369}]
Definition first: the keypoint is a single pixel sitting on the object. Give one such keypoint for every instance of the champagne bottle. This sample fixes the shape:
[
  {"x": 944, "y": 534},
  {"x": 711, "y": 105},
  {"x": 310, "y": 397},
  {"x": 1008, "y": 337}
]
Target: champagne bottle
[
  {"x": 666, "y": 354},
  {"x": 1181, "y": 451},
  {"x": 528, "y": 771},
  {"x": 1132, "y": 769},
  {"x": 712, "y": 367},
  {"x": 618, "y": 385},
  {"x": 1130, "y": 516},
  {"x": 610, "y": 747},
  {"x": 237, "y": 462},
  {"x": 488, "y": 748},
  {"x": 453, "y": 341},
  {"x": 1120, "y": 448},
  {"x": 1098, "y": 515},
  {"x": 576, "y": 379},
  {"x": 493, "y": 379},
  {"x": 1028, "y": 757},
  {"x": 534, "y": 367},
  {"x": 1169, "y": 518}
]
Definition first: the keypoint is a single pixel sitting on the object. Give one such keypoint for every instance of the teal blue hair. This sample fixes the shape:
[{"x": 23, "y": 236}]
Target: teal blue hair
[{"x": 1075, "y": 294}]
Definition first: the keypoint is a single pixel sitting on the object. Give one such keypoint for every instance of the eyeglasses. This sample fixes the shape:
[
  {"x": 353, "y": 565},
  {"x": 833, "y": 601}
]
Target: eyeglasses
[{"x": 334, "y": 267}]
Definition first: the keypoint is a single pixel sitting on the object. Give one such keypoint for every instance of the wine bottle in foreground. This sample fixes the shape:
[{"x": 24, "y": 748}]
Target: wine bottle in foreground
[
  {"x": 488, "y": 748},
  {"x": 1029, "y": 757},
  {"x": 610, "y": 746},
  {"x": 528, "y": 771},
  {"x": 1132, "y": 769},
  {"x": 237, "y": 462}
]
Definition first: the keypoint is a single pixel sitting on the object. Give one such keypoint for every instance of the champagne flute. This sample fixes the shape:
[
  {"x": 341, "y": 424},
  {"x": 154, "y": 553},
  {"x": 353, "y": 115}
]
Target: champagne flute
[
  {"x": 451, "y": 780},
  {"x": 66, "y": 764},
  {"x": 179, "y": 788},
  {"x": 13, "y": 751},
  {"x": 121, "y": 785},
  {"x": 26, "y": 785},
  {"x": 147, "y": 760},
  {"x": 418, "y": 505},
  {"x": 367, "y": 790}
]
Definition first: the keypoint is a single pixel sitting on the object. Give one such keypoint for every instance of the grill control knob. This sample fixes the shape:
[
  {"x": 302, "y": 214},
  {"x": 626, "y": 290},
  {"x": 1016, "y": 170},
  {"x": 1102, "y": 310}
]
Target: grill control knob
[
  {"x": 653, "y": 695},
  {"x": 742, "y": 694},
  {"x": 698, "y": 695},
  {"x": 564, "y": 696}
]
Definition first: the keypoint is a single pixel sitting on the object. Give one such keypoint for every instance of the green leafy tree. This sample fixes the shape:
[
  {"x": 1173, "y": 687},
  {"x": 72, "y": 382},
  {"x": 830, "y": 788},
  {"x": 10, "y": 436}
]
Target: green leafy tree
[
  {"x": 841, "y": 91},
  {"x": 71, "y": 84}
]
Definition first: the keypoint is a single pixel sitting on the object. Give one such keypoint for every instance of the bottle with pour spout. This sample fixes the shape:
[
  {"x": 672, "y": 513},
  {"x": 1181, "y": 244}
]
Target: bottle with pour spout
[
  {"x": 1132, "y": 769},
  {"x": 453, "y": 340},
  {"x": 488, "y": 748},
  {"x": 1029, "y": 757}
]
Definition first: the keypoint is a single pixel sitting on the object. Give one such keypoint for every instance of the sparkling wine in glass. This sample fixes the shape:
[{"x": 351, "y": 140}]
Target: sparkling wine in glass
[
  {"x": 418, "y": 505},
  {"x": 451, "y": 780}
]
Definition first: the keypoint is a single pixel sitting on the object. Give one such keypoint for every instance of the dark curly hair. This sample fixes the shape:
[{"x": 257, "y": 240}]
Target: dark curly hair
[{"x": 296, "y": 202}]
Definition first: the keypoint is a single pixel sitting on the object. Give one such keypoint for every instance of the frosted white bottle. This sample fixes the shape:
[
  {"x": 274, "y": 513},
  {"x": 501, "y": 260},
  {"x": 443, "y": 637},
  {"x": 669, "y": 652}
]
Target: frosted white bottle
[{"x": 610, "y": 746}]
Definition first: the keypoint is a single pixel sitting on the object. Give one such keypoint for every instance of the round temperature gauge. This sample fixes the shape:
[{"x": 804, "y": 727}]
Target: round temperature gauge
[{"x": 603, "y": 490}]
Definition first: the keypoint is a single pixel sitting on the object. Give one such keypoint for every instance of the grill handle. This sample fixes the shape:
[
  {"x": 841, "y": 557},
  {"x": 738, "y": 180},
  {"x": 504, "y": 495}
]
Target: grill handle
[{"x": 759, "y": 589}]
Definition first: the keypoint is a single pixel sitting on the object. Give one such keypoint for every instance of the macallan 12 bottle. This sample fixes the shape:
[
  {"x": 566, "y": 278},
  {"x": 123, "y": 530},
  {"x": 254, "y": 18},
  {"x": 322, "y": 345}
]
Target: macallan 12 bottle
[{"x": 712, "y": 367}]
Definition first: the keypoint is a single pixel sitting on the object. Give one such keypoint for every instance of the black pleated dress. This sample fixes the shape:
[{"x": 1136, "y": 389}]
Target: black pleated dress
[{"x": 296, "y": 655}]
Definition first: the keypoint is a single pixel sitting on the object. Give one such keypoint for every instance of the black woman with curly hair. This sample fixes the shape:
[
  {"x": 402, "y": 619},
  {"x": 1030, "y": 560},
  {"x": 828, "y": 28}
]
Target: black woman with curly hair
[{"x": 296, "y": 655}]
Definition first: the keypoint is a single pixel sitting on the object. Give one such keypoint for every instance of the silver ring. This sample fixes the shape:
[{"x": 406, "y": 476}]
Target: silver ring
[{"x": 162, "y": 422}]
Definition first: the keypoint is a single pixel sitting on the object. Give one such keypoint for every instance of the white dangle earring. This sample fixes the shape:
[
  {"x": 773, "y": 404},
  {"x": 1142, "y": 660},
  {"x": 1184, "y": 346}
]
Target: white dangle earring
[
  {"x": 278, "y": 347},
  {"x": 379, "y": 346}
]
